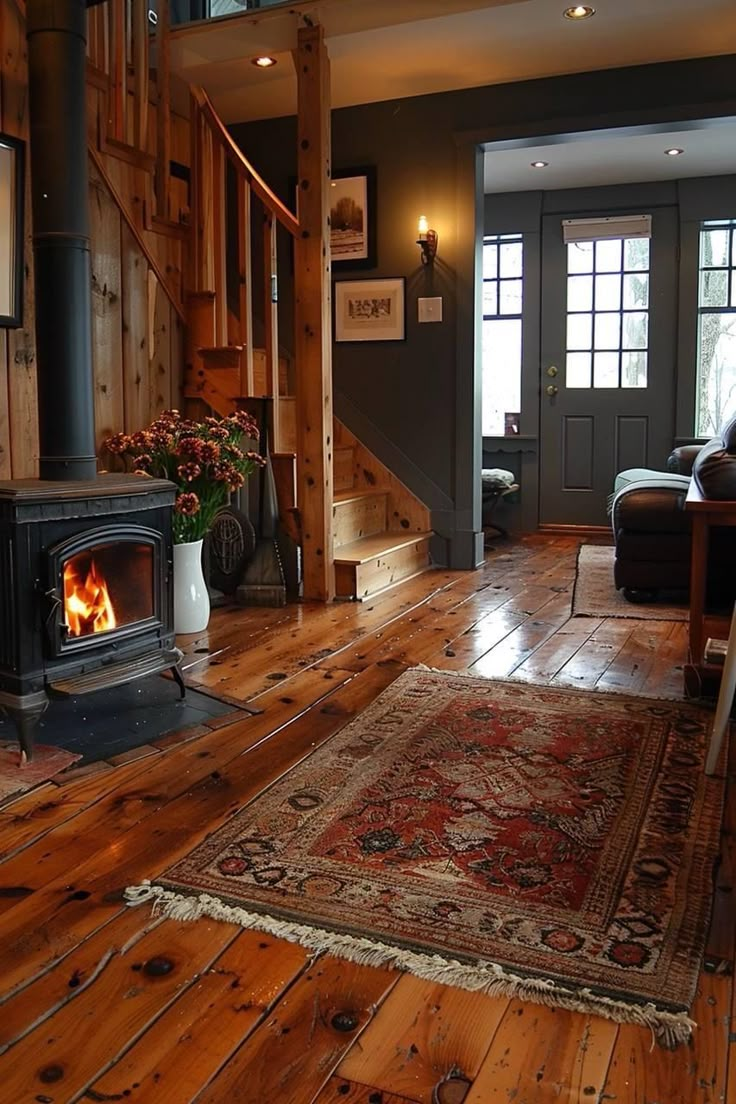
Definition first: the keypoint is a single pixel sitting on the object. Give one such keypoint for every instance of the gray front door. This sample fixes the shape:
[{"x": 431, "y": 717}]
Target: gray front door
[{"x": 607, "y": 393}]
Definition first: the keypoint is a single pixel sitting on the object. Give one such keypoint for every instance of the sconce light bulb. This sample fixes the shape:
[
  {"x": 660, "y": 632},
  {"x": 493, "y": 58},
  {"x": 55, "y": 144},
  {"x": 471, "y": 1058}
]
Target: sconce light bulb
[{"x": 423, "y": 227}]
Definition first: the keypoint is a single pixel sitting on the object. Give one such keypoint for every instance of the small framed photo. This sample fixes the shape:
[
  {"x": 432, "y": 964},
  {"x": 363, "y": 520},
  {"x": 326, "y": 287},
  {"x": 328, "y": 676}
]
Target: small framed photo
[
  {"x": 370, "y": 310},
  {"x": 11, "y": 232},
  {"x": 353, "y": 217}
]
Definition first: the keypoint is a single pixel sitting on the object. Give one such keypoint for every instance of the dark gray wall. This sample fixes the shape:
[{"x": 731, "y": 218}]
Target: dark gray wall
[{"x": 416, "y": 403}]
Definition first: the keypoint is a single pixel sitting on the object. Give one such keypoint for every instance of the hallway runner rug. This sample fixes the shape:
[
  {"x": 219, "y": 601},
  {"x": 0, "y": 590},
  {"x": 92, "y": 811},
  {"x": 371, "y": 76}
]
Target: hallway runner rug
[
  {"x": 549, "y": 844},
  {"x": 595, "y": 595}
]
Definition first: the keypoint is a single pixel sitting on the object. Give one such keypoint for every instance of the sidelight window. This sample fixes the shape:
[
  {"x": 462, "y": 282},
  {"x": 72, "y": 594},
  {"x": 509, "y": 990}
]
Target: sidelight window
[
  {"x": 503, "y": 297},
  {"x": 716, "y": 390},
  {"x": 607, "y": 313}
]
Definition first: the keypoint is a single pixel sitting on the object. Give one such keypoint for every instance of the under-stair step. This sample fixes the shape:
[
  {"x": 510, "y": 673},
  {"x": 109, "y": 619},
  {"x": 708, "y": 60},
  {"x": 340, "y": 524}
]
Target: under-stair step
[
  {"x": 358, "y": 514},
  {"x": 371, "y": 565},
  {"x": 343, "y": 459}
]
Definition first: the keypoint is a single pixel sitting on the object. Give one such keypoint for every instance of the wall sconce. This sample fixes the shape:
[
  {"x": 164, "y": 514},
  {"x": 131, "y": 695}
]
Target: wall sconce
[{"x": 427, "y": 239}]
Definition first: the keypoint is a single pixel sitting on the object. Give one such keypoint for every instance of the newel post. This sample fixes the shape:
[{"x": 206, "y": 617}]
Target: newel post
[{"x": 313, "y": 316}]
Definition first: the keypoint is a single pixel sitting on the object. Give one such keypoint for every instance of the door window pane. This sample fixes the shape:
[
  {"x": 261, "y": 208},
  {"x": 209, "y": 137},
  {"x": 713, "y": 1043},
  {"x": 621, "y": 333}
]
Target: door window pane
[
  {"x": 716, "y": 365},
  {"x": 577, "y": 370},
  {"x": 580, "y": 257},
  {"x": 636, "y": 290},
  {"x": 579, "y": 293},
  {"x": 636, "y": 330},
  {"x": 636, "y": 254},
  {"x": 634, "y": 369},
  {"x": 608, "y": 255},
  {"x": 607, "y": 331},
  {"x": 607, "y": 312},
  {"x": 605, "y": 370},
  {"x": 503, "y": 293},
  {"x": 608, "y": 293},
  {"x": 580, "y": 331}
]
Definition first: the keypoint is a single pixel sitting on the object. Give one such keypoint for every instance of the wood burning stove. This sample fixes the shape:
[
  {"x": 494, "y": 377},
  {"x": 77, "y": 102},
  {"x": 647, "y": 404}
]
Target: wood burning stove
[
  {"x": 85, "y": 560},
  {"x": 85, "y": 589}
]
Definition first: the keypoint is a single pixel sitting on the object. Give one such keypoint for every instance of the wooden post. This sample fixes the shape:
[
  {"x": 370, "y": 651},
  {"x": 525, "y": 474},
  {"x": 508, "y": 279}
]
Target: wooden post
[{"x": 313, "y": 320}]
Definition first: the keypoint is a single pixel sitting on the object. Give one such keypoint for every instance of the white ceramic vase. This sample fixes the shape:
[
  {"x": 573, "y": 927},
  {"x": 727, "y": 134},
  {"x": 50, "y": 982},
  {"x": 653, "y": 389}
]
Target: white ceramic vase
[{"x": 191, "y": 598}]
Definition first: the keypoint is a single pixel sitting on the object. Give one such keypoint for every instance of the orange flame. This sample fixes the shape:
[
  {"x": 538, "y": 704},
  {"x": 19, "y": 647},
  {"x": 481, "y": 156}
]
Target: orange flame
[{"x": 87, "y": 603}]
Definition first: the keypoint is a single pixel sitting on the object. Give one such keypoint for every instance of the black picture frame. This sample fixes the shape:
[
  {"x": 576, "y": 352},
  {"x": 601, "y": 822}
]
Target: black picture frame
[
  {"x": 358, "y": 184},
  {"x": 12, "y": 153}
]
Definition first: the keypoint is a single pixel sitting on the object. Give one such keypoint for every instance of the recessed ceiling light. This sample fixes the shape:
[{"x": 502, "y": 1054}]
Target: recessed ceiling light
[
  {"x": 675, "y": 151},
  {"x": 263, "y": 62},
  {"x": 540, "y": 164},
  {"x": 580, "y": 11}
]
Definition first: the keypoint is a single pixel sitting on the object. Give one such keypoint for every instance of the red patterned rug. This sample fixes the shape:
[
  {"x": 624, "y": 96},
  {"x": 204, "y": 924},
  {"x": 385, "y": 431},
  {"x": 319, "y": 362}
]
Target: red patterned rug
[
  {"x": 555, "y": 845},
  {"x": 47, "y": 762}
]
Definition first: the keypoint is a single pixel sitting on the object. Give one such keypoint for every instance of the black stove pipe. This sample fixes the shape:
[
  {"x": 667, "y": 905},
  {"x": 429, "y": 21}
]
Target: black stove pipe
[{"x": 61, "y": 250}]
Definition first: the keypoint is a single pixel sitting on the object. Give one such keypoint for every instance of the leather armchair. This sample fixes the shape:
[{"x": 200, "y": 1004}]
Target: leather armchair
[{"x": 652, "y": 529}]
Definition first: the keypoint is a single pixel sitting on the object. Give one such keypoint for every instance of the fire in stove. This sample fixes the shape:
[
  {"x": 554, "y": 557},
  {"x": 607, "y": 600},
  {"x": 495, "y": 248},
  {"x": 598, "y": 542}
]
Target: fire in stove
[{"x": 88, "y": 607}]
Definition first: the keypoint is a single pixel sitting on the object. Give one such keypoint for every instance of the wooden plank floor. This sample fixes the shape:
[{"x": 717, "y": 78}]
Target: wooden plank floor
[{"x": 103, "y": 1003}]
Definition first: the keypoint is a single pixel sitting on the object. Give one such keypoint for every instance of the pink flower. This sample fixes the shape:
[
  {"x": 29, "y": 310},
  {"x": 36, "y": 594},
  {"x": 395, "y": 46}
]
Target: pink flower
[
  {"x": 118, "y": 443},
  {"x": 142, "y": 462},
  {"x": 209, "y": 452},
  {"x": 189, "y": 446},
  {"x": 189, "y": 471},
  {"x": 187, "y": 504}
]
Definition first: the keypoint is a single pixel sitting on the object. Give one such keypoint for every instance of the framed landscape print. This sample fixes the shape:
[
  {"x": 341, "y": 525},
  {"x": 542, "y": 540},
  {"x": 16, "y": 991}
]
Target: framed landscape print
[
  {"x": 370, "y": 310},
  {"x": 11, "y": 231},
  {"x": 353, "y": 218}
]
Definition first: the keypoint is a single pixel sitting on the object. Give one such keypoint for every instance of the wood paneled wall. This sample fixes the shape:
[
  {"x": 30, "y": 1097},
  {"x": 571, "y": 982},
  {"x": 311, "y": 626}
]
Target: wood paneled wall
[{"x": 137, "y": 335}]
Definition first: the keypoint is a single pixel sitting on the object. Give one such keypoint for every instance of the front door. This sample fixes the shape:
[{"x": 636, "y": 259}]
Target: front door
[{"x": 609, "y": 311}]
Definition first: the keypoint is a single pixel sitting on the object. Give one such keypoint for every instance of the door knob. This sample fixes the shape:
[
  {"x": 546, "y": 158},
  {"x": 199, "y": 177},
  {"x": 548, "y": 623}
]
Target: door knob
[
  {"x": 552, "y": 370},
  {"x": 551, "y": 389}
]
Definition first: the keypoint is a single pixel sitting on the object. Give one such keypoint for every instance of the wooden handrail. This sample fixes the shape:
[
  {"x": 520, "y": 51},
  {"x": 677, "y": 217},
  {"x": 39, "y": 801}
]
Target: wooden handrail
[{"x": 243, "y": 165}]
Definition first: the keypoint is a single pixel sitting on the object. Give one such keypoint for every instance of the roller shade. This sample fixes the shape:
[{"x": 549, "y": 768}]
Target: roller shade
[{"x": 599, "y": 229}]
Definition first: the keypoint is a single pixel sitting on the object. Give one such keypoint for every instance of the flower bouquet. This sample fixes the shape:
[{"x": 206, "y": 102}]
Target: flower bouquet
[{"x": 206, "y": 460}]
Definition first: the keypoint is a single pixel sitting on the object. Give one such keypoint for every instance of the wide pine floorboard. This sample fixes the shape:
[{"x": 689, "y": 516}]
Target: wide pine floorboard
[{"x": 103, "y": 1003}]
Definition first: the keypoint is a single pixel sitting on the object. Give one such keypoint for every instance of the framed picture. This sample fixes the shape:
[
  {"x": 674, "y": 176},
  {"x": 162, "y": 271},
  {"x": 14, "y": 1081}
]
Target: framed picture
[
  {"x": 353, "y": 218},
  {"x": 11, "y": 231},
  {"x": 370, "y": 310}
]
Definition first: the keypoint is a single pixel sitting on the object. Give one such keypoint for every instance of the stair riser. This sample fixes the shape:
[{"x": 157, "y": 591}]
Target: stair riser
[
  {"x": 364, "y": 580},
  {"x": 360, "y": 517}
]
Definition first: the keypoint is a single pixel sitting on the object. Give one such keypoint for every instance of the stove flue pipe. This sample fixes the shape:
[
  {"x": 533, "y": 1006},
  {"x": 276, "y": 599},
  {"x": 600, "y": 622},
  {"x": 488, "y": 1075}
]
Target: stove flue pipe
[{"x": 61, "y": 250}]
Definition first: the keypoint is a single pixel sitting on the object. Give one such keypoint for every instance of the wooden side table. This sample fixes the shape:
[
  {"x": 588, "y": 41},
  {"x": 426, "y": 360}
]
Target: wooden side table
[{"x": 705, "y": 514}]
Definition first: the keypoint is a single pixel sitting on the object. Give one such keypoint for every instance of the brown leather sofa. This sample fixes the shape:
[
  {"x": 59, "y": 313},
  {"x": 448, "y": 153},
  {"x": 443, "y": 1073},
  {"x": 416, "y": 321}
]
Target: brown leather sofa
[{"x": 651, "y": 527}]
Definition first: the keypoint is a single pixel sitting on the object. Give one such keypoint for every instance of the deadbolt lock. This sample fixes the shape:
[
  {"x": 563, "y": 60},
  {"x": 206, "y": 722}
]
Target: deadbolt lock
[
  {"x": 552, "y": 371},
  {"x": 551, "y": 389}
]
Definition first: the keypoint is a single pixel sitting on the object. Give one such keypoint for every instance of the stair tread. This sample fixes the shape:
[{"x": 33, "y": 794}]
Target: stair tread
[{"x": 367, "y": 548}]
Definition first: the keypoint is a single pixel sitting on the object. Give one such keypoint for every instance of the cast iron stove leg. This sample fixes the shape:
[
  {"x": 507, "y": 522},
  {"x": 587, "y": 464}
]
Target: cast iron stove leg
[
  {"x": 179, "y": 679},
  {"x": 25, "y": 712}
]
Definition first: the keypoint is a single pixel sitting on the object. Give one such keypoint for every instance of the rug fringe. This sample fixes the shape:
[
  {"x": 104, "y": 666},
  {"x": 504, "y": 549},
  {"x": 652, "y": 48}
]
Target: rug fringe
[{"x": 668, "y": 1028}]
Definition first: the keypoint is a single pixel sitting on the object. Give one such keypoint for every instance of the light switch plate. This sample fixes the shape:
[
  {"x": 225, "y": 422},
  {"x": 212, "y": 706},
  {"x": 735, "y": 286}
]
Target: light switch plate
[{"x": 430, "y": 310}]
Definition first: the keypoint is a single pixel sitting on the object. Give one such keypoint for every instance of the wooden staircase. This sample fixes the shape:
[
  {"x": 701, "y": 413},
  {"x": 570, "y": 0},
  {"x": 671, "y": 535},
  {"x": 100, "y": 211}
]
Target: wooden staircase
[{"x": 380, "y": 533}]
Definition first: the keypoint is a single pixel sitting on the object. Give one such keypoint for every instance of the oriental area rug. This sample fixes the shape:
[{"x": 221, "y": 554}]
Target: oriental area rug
[
  {"x": 549, "y": 844},
  {"x": 46, "y": 763},
  {"x": 595, "y": 594}
]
